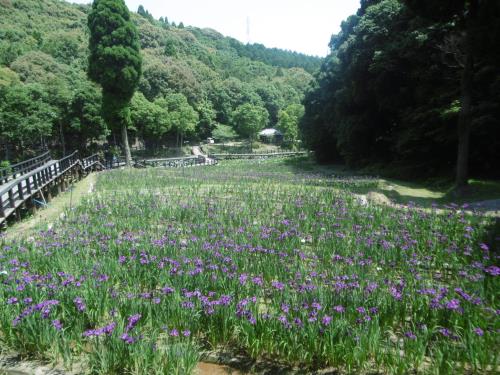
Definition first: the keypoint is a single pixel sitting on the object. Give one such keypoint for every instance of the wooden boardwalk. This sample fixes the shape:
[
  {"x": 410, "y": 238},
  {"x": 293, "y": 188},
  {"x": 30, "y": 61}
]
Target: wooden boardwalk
[
  {"x": 16, "y": 170},
  {"x": 27, "y": 185},
  {"x": 35, "y": 186}
]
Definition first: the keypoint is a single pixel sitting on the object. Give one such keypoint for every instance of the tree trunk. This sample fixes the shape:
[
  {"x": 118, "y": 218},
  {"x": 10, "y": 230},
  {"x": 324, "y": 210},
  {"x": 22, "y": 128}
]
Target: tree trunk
[
  {"x": 63, "y": 143},
  {"x": 464, "y": 126},
  {"x": 126, "y": 146},
  {"x": 465, "y": 115}
]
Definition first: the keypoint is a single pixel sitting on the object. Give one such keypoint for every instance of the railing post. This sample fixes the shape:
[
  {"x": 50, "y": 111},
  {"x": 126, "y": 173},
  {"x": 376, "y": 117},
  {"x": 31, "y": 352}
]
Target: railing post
[
  {"x": 28, "y": 186},
  {"x": 20, "y": 192},
  {"x": 12, "y": 201},
  {"x": 2, "y": 212}
]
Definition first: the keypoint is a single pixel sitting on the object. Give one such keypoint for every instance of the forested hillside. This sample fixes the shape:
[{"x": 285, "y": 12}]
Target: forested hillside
[
  {"x": 193, "y": 79},
  {"x": 391, "y": 91}
]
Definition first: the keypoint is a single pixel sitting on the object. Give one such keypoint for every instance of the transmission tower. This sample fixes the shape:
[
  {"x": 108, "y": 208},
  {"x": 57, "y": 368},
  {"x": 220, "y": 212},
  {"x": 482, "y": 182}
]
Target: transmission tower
[{"x": 248, "y": 30}]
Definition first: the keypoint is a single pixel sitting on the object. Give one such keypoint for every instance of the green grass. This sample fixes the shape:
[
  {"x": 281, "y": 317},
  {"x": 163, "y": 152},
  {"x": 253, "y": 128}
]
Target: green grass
[{"x": 421, "y": 193}]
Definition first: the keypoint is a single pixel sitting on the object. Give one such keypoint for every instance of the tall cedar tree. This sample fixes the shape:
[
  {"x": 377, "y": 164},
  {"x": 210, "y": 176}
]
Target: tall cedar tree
[{"x": 114, "y": 62}]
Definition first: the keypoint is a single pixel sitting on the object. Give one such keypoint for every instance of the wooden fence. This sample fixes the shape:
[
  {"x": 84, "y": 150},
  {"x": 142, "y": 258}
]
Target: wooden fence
[
  {"x": 266, "y": 155},
  {"x": 15, "y": 170}
]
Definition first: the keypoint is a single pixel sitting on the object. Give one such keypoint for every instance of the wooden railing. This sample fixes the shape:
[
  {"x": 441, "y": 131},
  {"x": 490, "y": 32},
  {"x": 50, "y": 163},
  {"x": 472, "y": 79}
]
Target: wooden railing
[
  {"x": 90, "y": 161},
  {"x": 188, "y": 161},
  {"x": 265, "y": 155},
  {"x": 15, "y": 194},
  {"x": 16, "y": 170}
]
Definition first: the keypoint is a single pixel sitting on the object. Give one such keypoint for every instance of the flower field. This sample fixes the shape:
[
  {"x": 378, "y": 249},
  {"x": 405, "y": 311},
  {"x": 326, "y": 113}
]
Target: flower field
[{"x": 158, "y": 265}]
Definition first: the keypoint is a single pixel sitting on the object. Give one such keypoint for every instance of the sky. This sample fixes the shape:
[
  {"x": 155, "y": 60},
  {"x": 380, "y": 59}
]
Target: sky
[{"x": 298, "y": 25}]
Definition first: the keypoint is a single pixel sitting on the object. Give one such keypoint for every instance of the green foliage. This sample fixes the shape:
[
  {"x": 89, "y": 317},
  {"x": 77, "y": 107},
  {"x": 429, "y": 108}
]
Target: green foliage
[
  {"x": 37, "y": 66},
  {"x": 5, "y": 166},
  {"x": 224, "y": 133},
  {"x": 182, "y": 116},
  {"x": 25, "y": 114},
  {"x": 288, "y": 123},
  {"x": 144, "y": 13},
  {"x": 277, "y": 57},
  {"x": 248, "y": 119},
  {"x": 114, "y": 61},
  {"x": 389, "y": 92},
  {"x": 149, "y": 118},
  {"x": 84, "y": 115},
  {"x": 46, "y": 43},
  {"x": 206, "y": 123},
  {"x": 8, "y": 77},
  {"x": 65, "y": 46}
]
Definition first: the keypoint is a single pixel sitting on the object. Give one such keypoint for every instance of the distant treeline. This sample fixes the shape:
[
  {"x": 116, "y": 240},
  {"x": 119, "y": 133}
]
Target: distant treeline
[
  {"x": 390, "y": 93},
  {"x": 277, "y": 57},
  {"x": 255, "y": 51}
]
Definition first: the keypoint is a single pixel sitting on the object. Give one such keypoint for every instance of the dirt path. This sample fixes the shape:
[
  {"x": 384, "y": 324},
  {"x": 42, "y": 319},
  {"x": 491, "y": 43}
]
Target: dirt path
[
  {"x": 196, "y": 151},
  {"x": 45, "y": 218},
  {"x": 214, "y": 369}
]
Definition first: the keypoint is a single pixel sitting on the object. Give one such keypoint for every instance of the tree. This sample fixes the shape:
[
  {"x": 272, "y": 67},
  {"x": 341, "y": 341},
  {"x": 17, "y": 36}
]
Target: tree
[
  {"x": 114, "y": 62},
  {"x": 151, "y": 120},
  {"x": 224, "y": 133},
  {"x": 144, "y": 13},
  {"x": 249, "y": 119},
  {"x": 288, "y": 123},
  {"x": 25, "y": 115},
  {"x": 465, "y": 15},
  {"x": 207, "y": 121},
  {"x": 84, "y": 118},
  {"x": 182, "y": 116},
  {"x": 64, "y": 46}
]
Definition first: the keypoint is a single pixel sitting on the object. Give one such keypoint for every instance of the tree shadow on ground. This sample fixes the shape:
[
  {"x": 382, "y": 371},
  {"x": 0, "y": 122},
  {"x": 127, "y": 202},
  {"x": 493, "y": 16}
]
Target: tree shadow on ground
[{"x": 400, "y": 191}]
